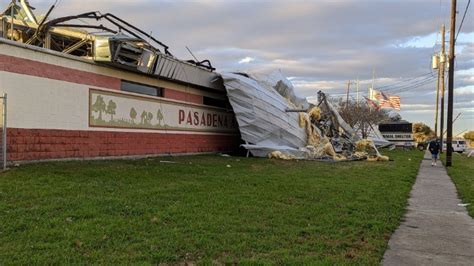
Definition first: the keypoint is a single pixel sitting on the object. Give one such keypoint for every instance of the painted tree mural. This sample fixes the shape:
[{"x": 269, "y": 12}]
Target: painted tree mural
[
  {"x": 124, "y": 111},
  {"x": 99, "y": 106},
  {"x": 133, "y": 114},
  {"x": 146, "y": 118},
  {"x": 111, "y": 107},
  {"x": 159, "y": 116},
  {"x": 143, "y": 117},
  {"x": 149, "y": 117}
]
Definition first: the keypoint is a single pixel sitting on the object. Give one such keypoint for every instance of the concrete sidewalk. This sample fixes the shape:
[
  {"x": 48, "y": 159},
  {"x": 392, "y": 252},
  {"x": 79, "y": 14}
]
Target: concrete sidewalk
[{"x": 435, "y": 231}]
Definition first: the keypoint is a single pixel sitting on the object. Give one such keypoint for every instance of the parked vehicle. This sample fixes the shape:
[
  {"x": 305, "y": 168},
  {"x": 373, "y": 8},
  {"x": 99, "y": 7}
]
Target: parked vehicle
[{"x": 458, "y": 145}]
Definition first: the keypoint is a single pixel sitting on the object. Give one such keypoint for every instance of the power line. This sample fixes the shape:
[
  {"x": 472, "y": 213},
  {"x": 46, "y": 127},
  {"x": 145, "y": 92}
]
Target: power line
[
  {"x": 414, "y": 86},
  {"x": 414, "y": 82},
  {"x": 399, "y": 89},
  {"x": 403, "y": 81},
  {"x": 463, "y": 17},
  {"x": 409, "y": 87}
]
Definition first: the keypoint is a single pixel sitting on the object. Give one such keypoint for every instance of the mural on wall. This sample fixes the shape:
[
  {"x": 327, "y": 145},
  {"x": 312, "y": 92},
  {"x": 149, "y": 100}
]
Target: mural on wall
[{"x": 109, "y": 109}]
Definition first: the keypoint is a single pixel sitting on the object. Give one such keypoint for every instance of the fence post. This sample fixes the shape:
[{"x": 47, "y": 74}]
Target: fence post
[{"x": 4, "y": 132}]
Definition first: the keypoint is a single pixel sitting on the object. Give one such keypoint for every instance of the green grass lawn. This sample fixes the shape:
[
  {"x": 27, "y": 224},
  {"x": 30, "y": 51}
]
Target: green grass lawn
[
  {"x": 257, "y": 211},
  {"x": 462, "y": 173}
]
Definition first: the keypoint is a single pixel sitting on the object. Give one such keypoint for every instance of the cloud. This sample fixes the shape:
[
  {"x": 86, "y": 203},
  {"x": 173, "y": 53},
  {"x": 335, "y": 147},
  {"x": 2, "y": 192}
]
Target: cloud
[
  {"x": 321, "y": 44},
  {"x": 246, "y": 60},
  {"x": 465, "y": 91}
]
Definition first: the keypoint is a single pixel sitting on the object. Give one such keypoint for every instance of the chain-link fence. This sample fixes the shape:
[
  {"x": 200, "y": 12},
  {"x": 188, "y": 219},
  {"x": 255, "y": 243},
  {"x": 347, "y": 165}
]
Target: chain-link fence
[{"x": 3, "y": 128}]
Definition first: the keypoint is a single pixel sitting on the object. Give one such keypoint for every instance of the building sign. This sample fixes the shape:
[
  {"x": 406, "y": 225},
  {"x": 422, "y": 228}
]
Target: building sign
[
  {"x": 397, "y": 136},
  {"x": 109, "y": 109}
]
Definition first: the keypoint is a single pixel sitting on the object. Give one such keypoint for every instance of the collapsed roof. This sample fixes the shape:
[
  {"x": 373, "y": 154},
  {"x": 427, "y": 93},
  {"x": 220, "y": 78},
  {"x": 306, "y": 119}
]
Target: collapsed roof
[
  {"x": 275, "y": 123},
  {"x": 106, "y": 39}
]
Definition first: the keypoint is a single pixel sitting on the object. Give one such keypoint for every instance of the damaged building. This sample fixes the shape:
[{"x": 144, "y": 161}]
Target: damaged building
[
  {"x": 104, "y": 88},
  {"x": 95, "y": 86},
  {"x": 276, "y": 123}
]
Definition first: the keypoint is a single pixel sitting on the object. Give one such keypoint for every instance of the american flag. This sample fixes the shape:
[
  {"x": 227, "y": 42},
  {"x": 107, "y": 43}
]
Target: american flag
[
  {"x": 395, "y": 102},
  {"x": 372, "y": 103},
  {"x": 383, "y": 99},
  {"x": 386, "y": 101}
]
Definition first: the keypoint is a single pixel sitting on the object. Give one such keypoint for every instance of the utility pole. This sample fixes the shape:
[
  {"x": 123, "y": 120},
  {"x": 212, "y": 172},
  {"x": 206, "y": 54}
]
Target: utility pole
[
  {"x": 347, "y": 97},
  {"x": 442, "y": 68},
  {"x": 449, "y": 140},
  {"x": 437, "y": 100}
]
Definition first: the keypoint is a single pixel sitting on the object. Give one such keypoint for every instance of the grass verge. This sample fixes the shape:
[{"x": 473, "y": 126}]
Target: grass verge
[
  {"x": 256, "y": 211},
  {"x": 462, "y": 173}
]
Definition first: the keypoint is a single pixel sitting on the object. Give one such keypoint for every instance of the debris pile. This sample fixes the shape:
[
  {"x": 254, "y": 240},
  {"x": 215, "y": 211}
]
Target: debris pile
[
  {"x": 275, "y": 123},
  {"x": 366, "y": 149}
]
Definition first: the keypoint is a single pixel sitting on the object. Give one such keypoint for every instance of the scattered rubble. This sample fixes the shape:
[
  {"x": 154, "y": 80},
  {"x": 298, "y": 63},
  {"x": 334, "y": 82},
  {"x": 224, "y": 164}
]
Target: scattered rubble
[{"x": 275, "y": 123}]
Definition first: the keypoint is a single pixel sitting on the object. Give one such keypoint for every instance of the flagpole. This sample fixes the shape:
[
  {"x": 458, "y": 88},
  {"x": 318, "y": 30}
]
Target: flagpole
[
  {"x": 357, "y": 91},
  {"x": 373, "y": 78}
]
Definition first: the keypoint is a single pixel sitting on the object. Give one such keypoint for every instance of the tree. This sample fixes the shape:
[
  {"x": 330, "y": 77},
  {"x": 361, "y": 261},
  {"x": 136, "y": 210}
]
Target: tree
[
  {"x": 469, "y": 136},
  {"x": 159, "y": 116},
  {"x": 361, "y": 117},
  {"x": 99, "y": 106},
  {"x": 111, "y": 107},
  {"x": 133, "y": 114},
  {"x": 422, "y": 132}
]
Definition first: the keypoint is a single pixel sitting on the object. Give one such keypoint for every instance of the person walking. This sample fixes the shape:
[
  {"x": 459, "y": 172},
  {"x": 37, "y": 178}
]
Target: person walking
[{"x": 434, "y": 148}]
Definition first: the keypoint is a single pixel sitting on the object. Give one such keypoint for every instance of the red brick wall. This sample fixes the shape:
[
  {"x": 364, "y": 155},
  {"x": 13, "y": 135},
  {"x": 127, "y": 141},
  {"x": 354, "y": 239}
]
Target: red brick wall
[
  {"x": 182, "y": 96},
  {"x": 44, "y": 70},
  {"x": 41, "y": 144}
]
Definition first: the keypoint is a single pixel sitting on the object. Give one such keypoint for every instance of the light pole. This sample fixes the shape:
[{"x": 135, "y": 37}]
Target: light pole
[{"x": 449, "y": 138}]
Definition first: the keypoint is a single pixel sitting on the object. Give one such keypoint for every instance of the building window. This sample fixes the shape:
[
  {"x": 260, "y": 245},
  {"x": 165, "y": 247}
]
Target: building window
[
  {"x": 141, "y": 88},
  {"x": 214, "y": 102}
]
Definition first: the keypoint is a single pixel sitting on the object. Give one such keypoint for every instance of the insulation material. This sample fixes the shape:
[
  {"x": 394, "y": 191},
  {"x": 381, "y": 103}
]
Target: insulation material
[
  {"x": 367, "y": 148},
  {"x": 364, "y": 145},
  {"x": 280, "y": 155},
  {"x": 313, "y": 133},
  {"x": 303, "y": 117},
  {"x": 380, "y": 158},
  {"x": 376, "y": 136},
  {"x": 315, "y": 113}
]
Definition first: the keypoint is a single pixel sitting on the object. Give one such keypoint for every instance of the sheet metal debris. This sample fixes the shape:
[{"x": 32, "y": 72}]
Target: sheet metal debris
[
  {"x": 275, "y": 123},
  {"x": 106, "y": 39}
]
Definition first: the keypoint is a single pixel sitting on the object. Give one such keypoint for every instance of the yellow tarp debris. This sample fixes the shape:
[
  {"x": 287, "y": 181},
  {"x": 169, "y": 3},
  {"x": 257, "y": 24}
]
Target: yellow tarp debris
[
  {"x": 315, "y": 113},
  {"x": 367, "y": 148},
  {"x": 302, "y": 119},
  {"x": 319, "y": 146},
  {"x": 280, "y": 155}
]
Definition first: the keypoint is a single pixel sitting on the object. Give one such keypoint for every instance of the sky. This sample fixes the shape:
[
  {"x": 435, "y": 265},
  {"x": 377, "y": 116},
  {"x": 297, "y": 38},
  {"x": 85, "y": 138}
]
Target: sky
[{"x": 319, "y": 44}]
